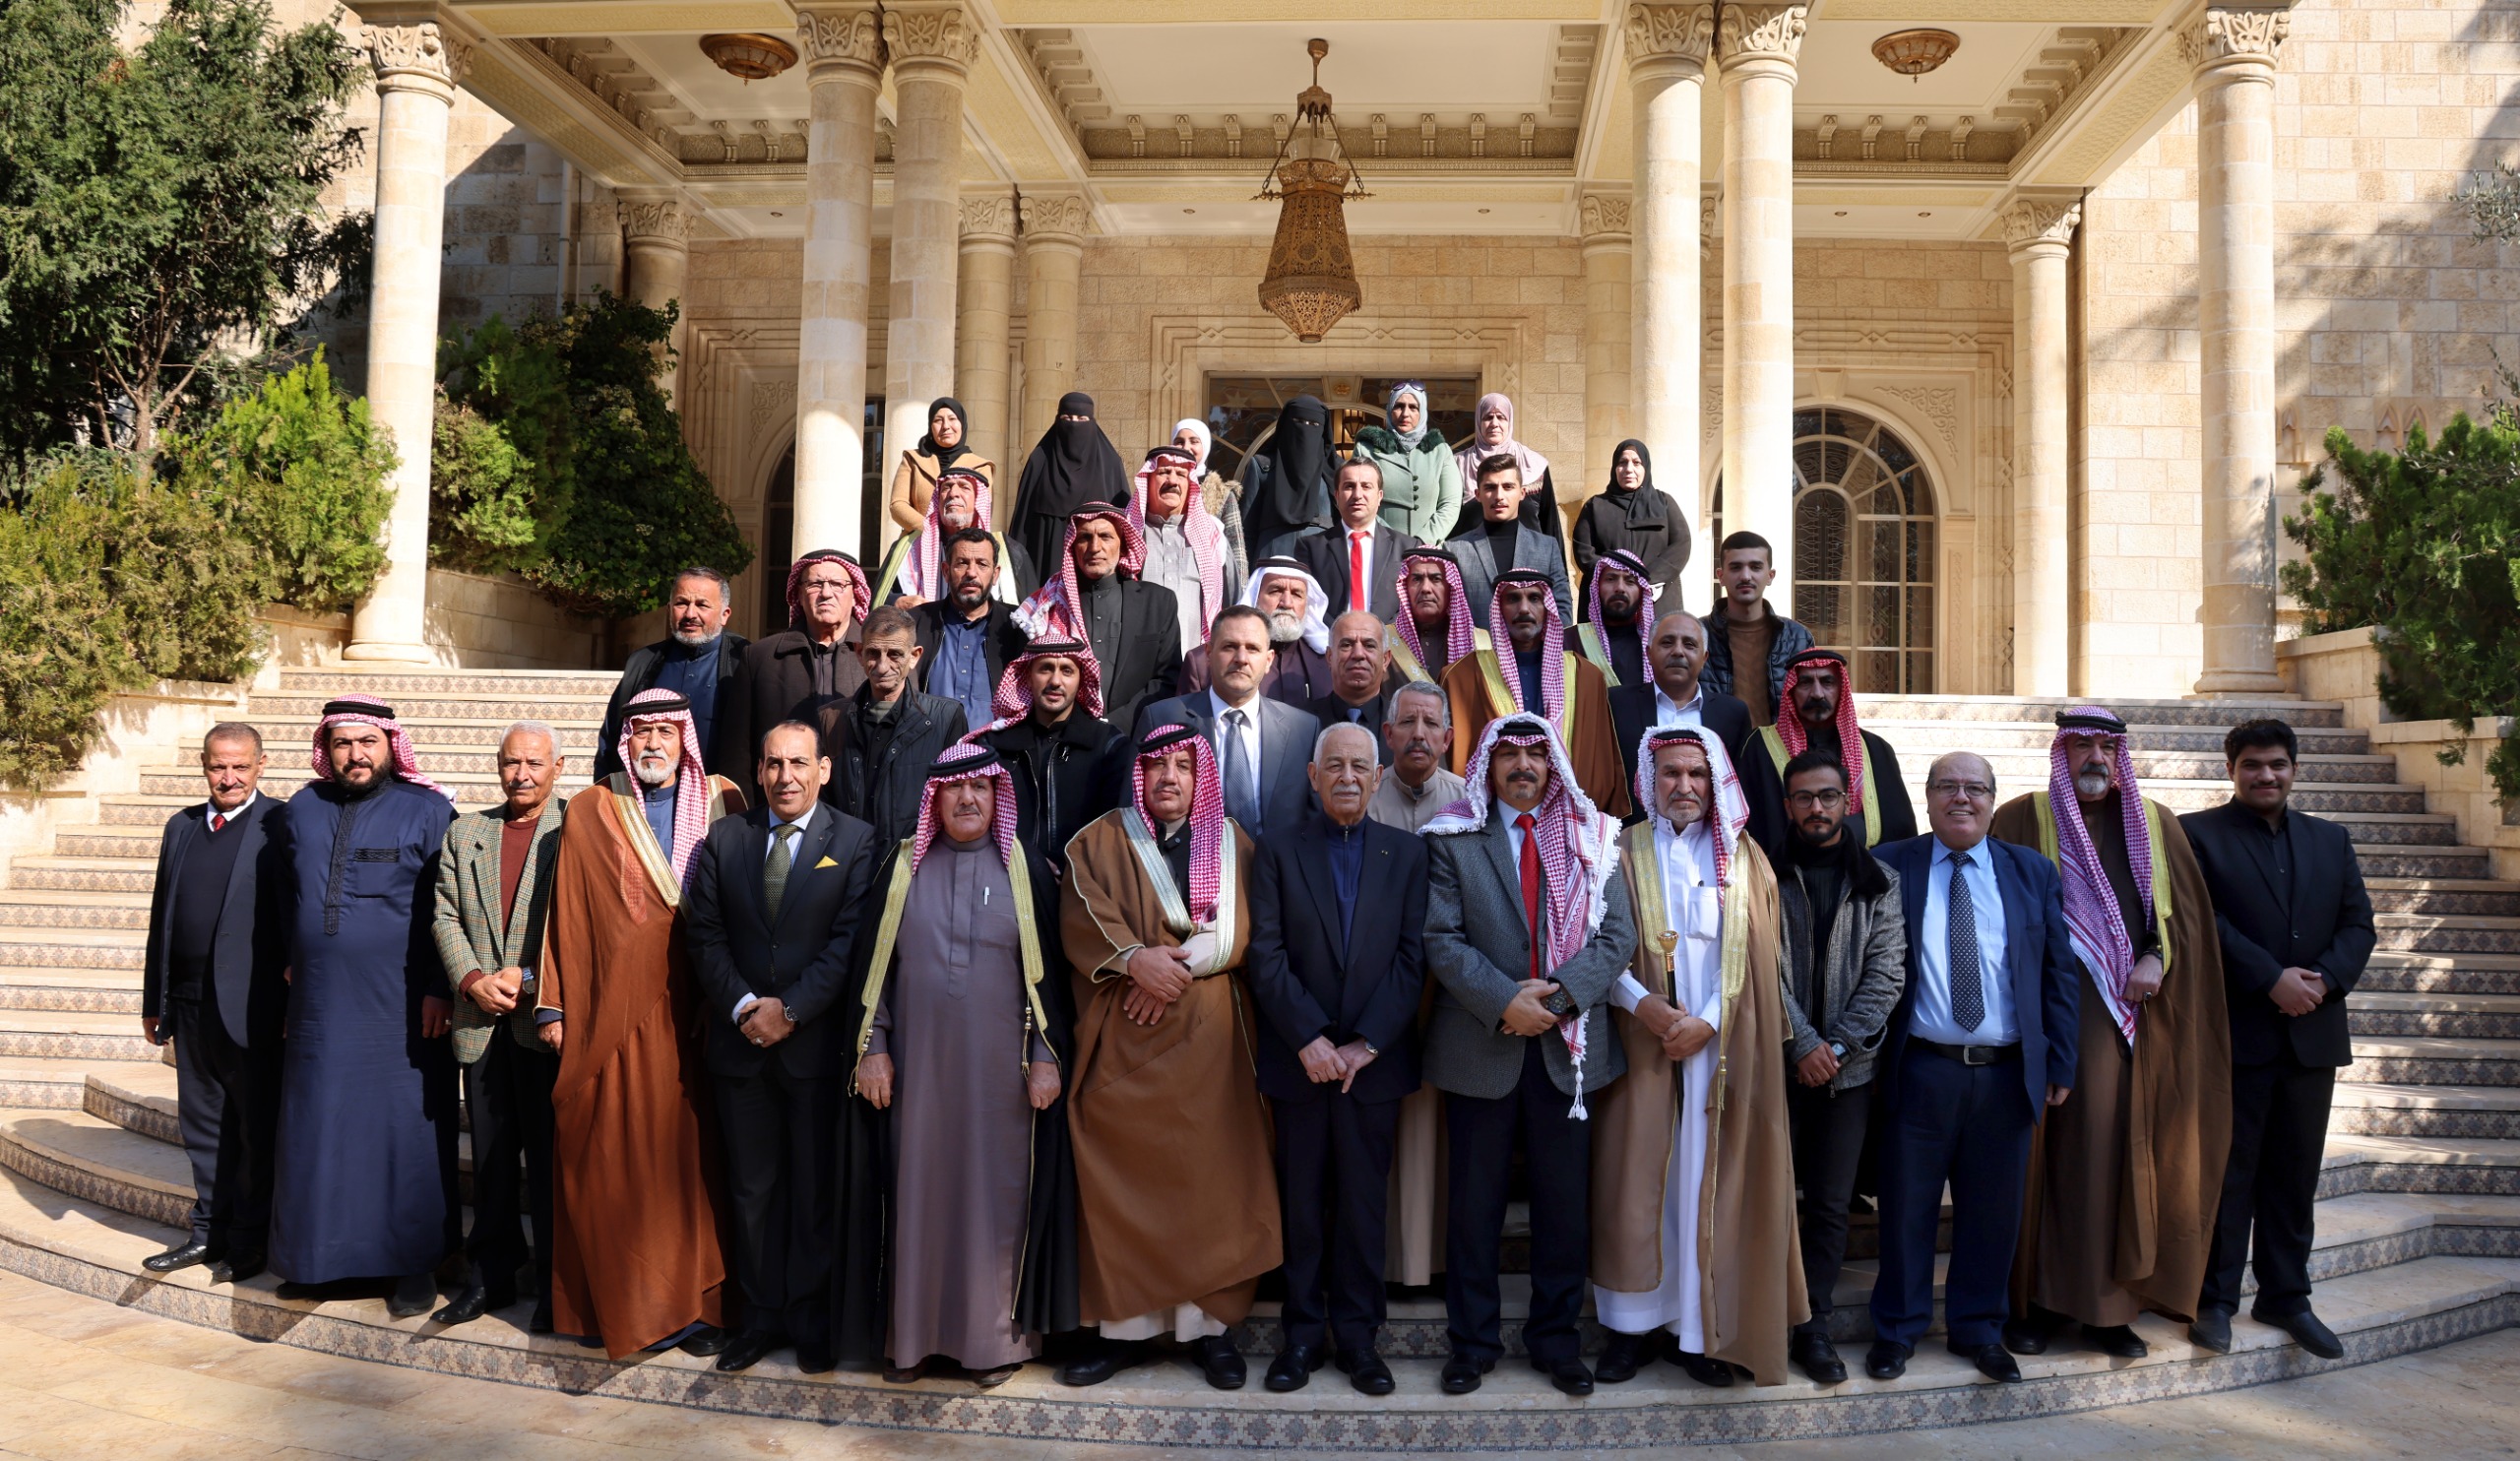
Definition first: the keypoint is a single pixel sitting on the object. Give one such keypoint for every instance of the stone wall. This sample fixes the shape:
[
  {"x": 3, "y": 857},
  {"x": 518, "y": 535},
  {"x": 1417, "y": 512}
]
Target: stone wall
[{"x": 482, "y": 622}]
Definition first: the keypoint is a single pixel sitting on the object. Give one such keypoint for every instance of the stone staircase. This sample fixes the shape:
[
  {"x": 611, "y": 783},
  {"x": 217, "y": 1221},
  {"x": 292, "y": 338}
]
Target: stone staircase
[{"x": 2419, "y": 1227}]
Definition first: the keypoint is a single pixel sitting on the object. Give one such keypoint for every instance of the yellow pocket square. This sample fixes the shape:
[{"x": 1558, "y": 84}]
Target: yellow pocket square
[{"x": 826, "y": 862}]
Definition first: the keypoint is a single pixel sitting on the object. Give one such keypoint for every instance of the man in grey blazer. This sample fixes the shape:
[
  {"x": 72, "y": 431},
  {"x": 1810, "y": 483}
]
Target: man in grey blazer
[
  {"x": 1499, "y": 541},
  {"x": 1267, "y": 752},
  {"x": 493, "y": 889},
  {"x": 1528, "y": 926}
]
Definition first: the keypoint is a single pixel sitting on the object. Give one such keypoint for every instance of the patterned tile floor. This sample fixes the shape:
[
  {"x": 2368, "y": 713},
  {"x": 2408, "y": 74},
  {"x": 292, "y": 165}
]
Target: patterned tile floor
[{"x": 82, "y": 1377}]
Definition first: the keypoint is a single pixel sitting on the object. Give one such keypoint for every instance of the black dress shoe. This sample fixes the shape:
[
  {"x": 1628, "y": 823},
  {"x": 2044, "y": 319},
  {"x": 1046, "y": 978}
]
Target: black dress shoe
[
  {"x": 237, "y": 1267},
  {"x": 1993, "y": 1361},
  {"x": 904, "y": 1374},
  {"x": 540, "y": 1323},
  {"x": 707, "y": 1339},
  {"x": 812, "y": 1361},
  {"x": 1817, "y": 1357},
  {"x": 1887, "y": 1359},
  {"x": 1220, "y": 1362},
  {"x": 1702, "y": 1369},
  {"x": 1293, "y": 1369},
  {"x": 1114, "y": 1356},
  {"x": 415, "y": 1293},
  {"x": 2212, "y": 1330},
  {"x": 2307, "y": 1332},
  {"x": 471, "y": 1305},
  {"x": 1568, "y": 1376},
  {"x": 182, "y": 1255},
  {"x": 2120, "y": 1340},
  {"x": 747, "y": 1350},
  {"x": 990, "y": 1379},
  {"x": 1462, "y": 1372},
  {"x": 1366, "y": 1371},
  {"x": 1622, "y": 1356}
]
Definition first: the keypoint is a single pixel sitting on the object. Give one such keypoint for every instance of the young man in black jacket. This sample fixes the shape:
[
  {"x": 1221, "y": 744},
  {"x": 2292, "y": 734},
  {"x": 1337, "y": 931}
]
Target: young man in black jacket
[{"x": 1069, "y": 764}]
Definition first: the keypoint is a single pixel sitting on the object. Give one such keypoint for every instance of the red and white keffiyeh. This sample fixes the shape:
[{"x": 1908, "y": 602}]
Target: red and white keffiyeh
[
  {"x": 1553, "y": 647},
  {"x": 1013, "y": 699},
  {"x": 367, "y": 710},
  {"x": 963, "y": 762},
  {"x": 1052, "y": 608},
  {"x": 1460, "y": 633},
  {"x": 1205, "y": 533},
  {"x": 1207, "y": 821},
  {"x": 2100, "y": 932},
  {"x": 923, "y": 568},
  {"x": 1798, "y": 739},
  {"x": 860, "y": 599},
  {"x": 1724, "y": 817},
  {"x": 1577, "y": 851},
  {"x": 691, "y": 778},
  {"x": 1634, "y": 567}
]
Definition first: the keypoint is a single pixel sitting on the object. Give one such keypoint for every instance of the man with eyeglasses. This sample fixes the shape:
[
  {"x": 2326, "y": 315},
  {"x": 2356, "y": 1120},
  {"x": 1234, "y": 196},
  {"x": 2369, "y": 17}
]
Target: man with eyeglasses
[
  {"x": 1982, "y": 1039},
  {"x": 1845, "y": 963}
]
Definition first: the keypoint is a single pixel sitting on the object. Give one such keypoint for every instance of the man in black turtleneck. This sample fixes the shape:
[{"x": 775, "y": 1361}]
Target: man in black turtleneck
[
  {"x": 1498, "y": 544},
  {"x": 1846, "y": 950}
]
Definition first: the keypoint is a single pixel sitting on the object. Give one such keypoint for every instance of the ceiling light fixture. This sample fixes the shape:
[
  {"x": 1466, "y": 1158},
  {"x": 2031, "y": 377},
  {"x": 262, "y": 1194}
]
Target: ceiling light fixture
[
  {"x": 1912, "y": 53},
  {"x": 747, "y": 57},
  {"x": 1311, "y": 281}
]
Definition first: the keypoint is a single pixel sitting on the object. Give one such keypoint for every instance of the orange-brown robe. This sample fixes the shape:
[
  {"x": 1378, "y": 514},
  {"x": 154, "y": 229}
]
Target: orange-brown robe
[
  {"x": 636, "y": 1191},
  {"x": 1475, "y": 685},
  {"x": 1176, "y": 1189},
  {"x": 2126, "y": 1178},
  {"x": 1750, "y": 1252}
]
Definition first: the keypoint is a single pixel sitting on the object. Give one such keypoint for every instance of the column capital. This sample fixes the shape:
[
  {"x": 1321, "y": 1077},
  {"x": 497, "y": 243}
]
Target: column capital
[
  {"x": 1664, "y": 34},
  {"x": 1056, "y": 218},
  {"x": 1761, "y": 32},
  {"x": 421, "y": 57},
  {"x": 2032, "y": 225},
  {"x": 988, "y": 216},
  {"x": 1603, "y": 218},
  {"x": 842, "y": 40},
  {"x": 655, "y": 221},
  {"x": 922, "y": 35},
  {"x": 2235, "y": 39}
]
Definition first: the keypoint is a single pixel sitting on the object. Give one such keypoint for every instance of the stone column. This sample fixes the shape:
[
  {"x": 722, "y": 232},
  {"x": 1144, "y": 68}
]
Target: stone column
[
  {"x": 656, "y": 244},
  {"x": 983, "y": 301},
  {"x": 2234, "y": 52},
  {"x": 1757, "y": 46},
  {"x": 930, "y": 46},
  {"x": 1053, "y": 257},
  {"x": 419, "y": 66},
  {"x": 2040, "y": 233},
  {"x": 844, "y": 58},
  {"x": 1609, "y": 328},
  {"x": 1668, "y": 46}
]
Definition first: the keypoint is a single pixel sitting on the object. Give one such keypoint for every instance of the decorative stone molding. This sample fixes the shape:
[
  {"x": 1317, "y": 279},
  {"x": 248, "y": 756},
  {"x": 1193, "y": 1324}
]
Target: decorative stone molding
[
  {"x": 1056, "y": 214},
  {"x": 2030, "y": 222},
  {"x": 1656, "y": 32},
  {"x": 846, "y": 36},
  {"x": 1604, "y": 216},
  {"x": 662, "y": 219},
  {"x": 2234, "y": 38},
  {"x": 1938, "y": 405},
  {"x": 988, "y": 216},
  {"x": 1761, "y": 32},
  {"x": 425, "y": 56},
  {"x": 931, "y": 36}
]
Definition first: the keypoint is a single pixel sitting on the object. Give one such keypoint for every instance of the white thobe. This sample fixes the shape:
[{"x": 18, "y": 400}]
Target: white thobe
[
  {"x": 1183, "y": 1321},
  {"x": 1697, "y": 988}
]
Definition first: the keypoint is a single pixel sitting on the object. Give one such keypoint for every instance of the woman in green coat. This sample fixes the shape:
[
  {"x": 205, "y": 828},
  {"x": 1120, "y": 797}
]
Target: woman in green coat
[{"x": 1421, "y": 481}]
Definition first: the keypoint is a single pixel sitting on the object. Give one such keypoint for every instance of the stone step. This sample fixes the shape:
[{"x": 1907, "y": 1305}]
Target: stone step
[
  {"x": 73, "y": 948},
  {"x": 2456, "y": 1016},
  {"x": 2219, "y": 714},
  {"x": 2382, "y": 860},
  {"x": 474, "y": 785},
  {"x": 2432, "y": 1061},
  {"x": 2036, "y": 737},
  {"x": 2447, "y": 933},
  {"x": 501, "y": 705},
  {"x": 2482, "y": 896},
  {"x": 480, "y": 733},
  {"x": 35, "y": 1083},
  {"x": 140, "y": 1099},
  {"x": 73, "y": 1035},
  {"x": 389, "y": 685},
  {"x": 2448, "y": 1112},
  {"x": 90, "y": 1158},
  {"x": 2469, "y": 1166},
  {"x": 47, "y": 909},
  {"x": 104, "y": 991},
  {"x": 2397, "y": 971}
]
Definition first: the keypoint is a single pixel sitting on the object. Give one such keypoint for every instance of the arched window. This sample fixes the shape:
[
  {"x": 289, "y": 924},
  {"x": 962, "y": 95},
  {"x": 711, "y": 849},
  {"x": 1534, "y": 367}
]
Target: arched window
[{"x": 1864, "y": 547}]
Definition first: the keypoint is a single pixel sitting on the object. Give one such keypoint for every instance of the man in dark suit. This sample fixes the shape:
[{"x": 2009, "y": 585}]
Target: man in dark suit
[
  {"x": 790, "y": 674},
  {"x": 1359, "y": 540},
  {"x": 1133, "y": 626},
  {"x": 2296, "y": 929},
  {"x": 697, "y": 659},
  {"x": 1336, "y": 968},
  {"x": 210, "y": 981},
  {"x": 1360, "y": 684},
  {"x": 1676, "y": 696},
  {"x": 967, "y": 637},
  {"x": 882, "y": 740},
  {"x": 777, "y": 896},
  {"x": 1501, "y": 541},
  {"x": 1263, "y": 746},
  {"x": 1982, "y": 1039}
]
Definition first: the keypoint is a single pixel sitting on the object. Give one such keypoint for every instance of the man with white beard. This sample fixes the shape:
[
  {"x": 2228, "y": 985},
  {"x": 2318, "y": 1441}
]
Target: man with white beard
[{"x": 1299, "y": 673}]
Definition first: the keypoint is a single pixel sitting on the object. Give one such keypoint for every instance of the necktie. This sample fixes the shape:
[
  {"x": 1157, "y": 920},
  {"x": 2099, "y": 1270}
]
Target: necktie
[
  {"x": 219, "y": 821},
  {"x": 1968, "y": 992},
  {"x": 774, "y": 876},
  {"x": 1357, "y": 594},
  {"x": 1239, "y": 791},
  {"x": 1531, "y": 884}
]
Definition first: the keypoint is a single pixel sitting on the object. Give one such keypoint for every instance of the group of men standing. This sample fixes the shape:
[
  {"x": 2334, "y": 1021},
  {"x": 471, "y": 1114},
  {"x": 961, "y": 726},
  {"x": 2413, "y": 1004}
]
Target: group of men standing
[{"x": 942, "y": 984}]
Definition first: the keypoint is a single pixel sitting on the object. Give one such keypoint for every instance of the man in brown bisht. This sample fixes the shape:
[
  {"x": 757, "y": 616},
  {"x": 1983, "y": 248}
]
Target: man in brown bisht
[
  {"x": 636, "y": 1258},
  {"x": 1435, "y": 625},
  {"x": 1176, "y": 1192},
  {"x": 2126, "y": 1176},
  {"x": 1693, "y": 1230},
  {"x": 1531, "y": 667}
]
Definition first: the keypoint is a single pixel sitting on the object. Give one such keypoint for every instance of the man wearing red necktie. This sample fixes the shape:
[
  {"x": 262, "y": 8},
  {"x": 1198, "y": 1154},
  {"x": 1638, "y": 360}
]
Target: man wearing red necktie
[{"x": 1357, "y": 556}]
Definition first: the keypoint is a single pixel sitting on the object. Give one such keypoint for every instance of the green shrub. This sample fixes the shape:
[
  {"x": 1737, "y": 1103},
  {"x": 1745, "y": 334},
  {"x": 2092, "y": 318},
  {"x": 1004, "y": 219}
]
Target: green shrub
[
  {"x": 56, "y": 670},
  {"x": 299, "y": 471},
  {"x": 2424, "y": 545},
  {"x": 481, "y": 496},
  {"x": 500, "y": 484}
]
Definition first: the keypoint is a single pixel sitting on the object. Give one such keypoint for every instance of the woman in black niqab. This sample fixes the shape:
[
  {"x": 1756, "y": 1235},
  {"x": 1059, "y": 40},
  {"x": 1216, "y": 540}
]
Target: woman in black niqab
[
  {"x": 1072, "y": 464},
  {"x": 1285, "y": 485}
]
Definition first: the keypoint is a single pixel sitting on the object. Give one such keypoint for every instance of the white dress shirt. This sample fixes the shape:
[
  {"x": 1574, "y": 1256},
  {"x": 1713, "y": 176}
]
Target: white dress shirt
[
  {"x": 238, "y": 810},
  {"x": 1249, "y": 733},
  {"x": 1932, "y": 1017},
  {"x": 1696, "y": 909},
  {"x": 1691, "y": 714}
]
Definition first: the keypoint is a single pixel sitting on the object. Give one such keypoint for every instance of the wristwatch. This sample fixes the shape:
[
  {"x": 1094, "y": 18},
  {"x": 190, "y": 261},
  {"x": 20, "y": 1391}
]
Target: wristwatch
[
  {"x": 1371, "y": 1051},
  {"x": 1838, "y": 1047}
]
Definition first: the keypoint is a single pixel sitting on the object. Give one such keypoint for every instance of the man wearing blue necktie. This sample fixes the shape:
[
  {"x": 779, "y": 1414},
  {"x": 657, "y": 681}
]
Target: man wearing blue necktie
[{"x": 1983, "y": 1037}]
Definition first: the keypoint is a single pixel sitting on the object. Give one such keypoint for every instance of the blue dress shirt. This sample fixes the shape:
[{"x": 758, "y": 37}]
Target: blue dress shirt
[{"x": 1931, "y": 1018}]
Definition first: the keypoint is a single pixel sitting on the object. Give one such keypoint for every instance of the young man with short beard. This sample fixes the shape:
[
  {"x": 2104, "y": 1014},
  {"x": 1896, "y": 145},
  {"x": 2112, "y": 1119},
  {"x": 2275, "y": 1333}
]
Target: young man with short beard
[
  {"x": 967, "y": 635},
  {"x": 1069, "y": 765}
]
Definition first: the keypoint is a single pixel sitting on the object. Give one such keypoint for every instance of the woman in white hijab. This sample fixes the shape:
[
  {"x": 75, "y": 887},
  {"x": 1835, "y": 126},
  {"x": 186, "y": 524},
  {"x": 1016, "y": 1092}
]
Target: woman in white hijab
[
  {"x": 1494, "y": 436},
  {"x": 1222, "y": 495},
  {"x": 1421, "y": 492}
]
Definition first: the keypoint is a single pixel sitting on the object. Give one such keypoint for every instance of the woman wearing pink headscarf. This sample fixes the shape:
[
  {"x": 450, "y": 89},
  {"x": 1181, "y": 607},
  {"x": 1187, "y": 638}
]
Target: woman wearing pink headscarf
[{"x": 1493, "y": 435}]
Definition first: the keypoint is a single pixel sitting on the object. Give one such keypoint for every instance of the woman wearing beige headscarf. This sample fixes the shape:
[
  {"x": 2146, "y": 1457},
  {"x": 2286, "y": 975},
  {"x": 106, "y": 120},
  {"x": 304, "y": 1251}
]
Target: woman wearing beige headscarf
[
  {"x": 1492, "y": 436},
  {"x": 948, "y": 443}
]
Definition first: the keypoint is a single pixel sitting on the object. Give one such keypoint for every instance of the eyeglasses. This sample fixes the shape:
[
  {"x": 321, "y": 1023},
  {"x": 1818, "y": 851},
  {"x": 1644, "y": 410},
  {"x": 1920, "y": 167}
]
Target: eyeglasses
[
  {"x": 1806, "y": 799},
  {"x": 1974, "y": 791}
]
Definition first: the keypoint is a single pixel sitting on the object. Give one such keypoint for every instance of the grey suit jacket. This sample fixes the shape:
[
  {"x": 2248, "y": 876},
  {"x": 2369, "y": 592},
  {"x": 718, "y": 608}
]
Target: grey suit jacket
[
  {"x": 1532, "y": 550},
  {"x": 1479, "y": 949},
  {"x": 1286, "y": 733},
  {"x": 469, "y": 934}
]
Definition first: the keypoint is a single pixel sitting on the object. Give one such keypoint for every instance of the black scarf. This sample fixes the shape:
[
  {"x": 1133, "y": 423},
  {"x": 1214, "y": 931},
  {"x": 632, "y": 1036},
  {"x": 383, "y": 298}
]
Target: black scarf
[
  {"x": 1073, "y": 465},
  {"x": 946, "y": 455},
  {"x": 1298, "y": 451}
]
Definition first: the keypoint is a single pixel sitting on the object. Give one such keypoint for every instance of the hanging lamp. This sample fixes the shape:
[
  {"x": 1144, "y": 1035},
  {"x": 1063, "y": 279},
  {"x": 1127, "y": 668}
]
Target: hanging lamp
[{"x": 1311, "y": 281}]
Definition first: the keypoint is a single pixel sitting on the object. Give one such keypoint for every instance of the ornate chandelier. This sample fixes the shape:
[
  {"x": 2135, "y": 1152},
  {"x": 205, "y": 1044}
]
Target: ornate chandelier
[
  {"x": 1912, "y": 53},
  {"x": 748, "y": 57},
  {"x": 1311, "y": 282}
]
